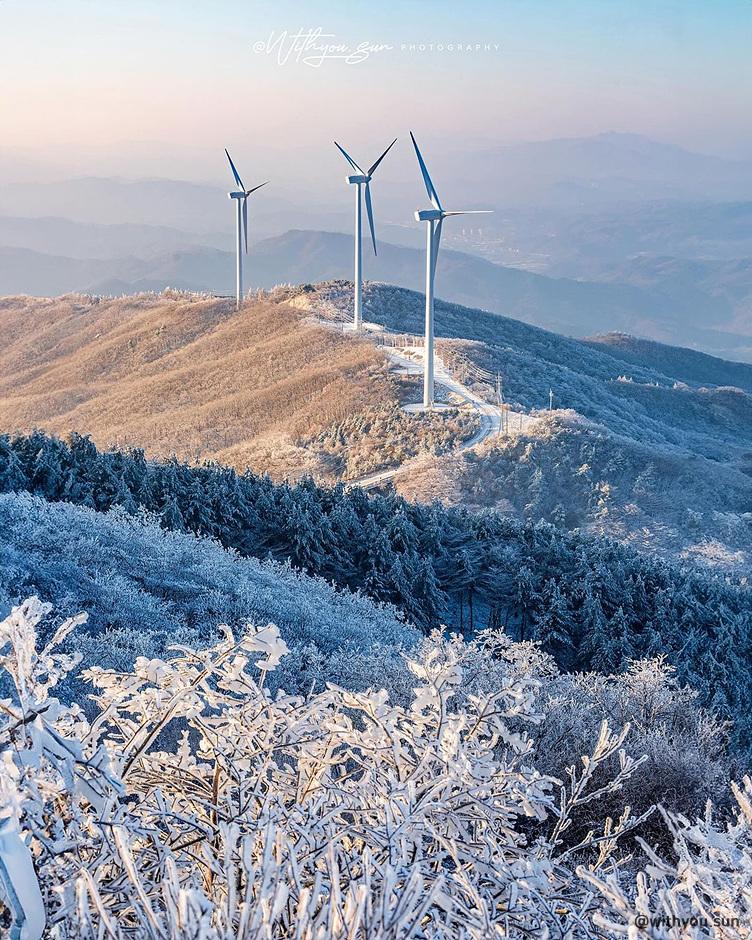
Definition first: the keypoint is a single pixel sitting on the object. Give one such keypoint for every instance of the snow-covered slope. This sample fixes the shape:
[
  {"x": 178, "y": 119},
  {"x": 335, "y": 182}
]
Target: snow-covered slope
[
  {"x": 145, "y": 588},
  {"x": 656, "y": 402},
  {"x": 663, "y": 457},
  {"x": 572, "y": 472}
]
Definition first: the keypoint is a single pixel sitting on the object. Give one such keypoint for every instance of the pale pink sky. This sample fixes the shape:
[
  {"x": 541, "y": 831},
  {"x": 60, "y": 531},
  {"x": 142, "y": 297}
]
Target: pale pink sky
[{"x": 107, "y": 86}]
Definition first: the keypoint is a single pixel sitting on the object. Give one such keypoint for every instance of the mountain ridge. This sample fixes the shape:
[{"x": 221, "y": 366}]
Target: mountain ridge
[{"x": 564, "y": 305}]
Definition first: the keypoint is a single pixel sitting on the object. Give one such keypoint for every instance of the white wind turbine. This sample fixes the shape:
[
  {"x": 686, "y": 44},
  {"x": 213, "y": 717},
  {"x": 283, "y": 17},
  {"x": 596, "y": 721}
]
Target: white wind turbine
[
  {"x": 359, "y": 180},
  {"x": 433, "y": 219},
  {"x": 241, "y": 198}
]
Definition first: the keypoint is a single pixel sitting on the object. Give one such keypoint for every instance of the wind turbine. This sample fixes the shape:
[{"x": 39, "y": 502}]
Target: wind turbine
[
  {"x": 433, "y": 219},
  {"x": 241, "y": 198},
  {"x": 359, "y": 180}
]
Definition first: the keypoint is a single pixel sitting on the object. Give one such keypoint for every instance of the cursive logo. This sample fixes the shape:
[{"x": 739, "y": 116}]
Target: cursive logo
[{"x": 313, "y": 47}]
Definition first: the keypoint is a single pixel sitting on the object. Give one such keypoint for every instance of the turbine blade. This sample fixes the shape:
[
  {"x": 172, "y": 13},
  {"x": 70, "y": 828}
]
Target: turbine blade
[
  {"x": 372, "y": 168},
  {"x": 432, "y": 194},
  {"x": 245, "y": 222},
  {"x": 369, "y": 213},
  {"x": 255, "y": 188},
  {"x": 349, "y": 159},
  {"x": 467, "y": 212},
  {"x": 436, "y": 243},
  {"x": 235, "y": 173}
]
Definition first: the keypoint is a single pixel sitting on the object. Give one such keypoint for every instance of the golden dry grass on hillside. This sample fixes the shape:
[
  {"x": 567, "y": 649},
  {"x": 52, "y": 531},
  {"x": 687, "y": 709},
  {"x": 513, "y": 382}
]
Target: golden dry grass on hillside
[{"x": 187, "y": 375}]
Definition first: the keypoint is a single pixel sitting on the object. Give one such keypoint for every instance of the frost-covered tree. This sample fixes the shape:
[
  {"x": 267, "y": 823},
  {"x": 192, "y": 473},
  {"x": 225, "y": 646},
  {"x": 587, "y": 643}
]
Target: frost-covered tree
[{"x": 431, "y": 562}]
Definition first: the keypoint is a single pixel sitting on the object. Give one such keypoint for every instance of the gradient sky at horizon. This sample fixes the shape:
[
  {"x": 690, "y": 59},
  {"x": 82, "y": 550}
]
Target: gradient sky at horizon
[{"x": 111, "y": 85}]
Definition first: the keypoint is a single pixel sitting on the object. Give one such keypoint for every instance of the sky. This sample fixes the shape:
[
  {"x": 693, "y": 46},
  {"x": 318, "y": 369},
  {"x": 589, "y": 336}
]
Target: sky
[{"x": 155, "y": 87}]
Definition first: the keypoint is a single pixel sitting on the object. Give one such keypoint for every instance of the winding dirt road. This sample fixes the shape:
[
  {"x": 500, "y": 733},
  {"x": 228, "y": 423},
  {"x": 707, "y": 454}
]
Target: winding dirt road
[{"x": 408, "y": 360}]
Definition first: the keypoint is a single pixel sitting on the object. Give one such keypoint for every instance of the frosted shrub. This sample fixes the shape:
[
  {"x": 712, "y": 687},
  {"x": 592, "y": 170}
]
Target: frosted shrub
[
  {"x": 336, "y": 815},
  {"x": 704, "y": 891},
  {"x": 684, "y": 748}
]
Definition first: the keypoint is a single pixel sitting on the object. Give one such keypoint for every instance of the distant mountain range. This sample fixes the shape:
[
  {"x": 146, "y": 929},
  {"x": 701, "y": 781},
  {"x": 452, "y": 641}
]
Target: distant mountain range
[
  {"x": 696, "y": 316},
  {"x": 585, "y": 242},
  {"x": 604, "y": 170},
  {"x": 102, "y": 200},
  {"x": 624, "y": 233},
  {"x": 199, "y": 209},
  {"x": 87, "y": 241}
]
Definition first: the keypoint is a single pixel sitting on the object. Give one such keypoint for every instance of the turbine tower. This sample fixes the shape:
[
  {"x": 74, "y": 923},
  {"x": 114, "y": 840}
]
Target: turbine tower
[
  {"x": 241, "y": 197},
  {"x": 433, "y": 219},
  {"x": 359, "y": 180}
]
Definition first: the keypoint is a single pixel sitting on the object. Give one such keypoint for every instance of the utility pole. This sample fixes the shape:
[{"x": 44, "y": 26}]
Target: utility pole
[{"x": 550, "y": 399}]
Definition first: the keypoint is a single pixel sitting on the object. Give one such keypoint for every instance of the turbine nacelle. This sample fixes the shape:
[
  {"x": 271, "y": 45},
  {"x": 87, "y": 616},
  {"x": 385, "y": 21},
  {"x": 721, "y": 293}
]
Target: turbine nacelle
[
  {"x": 437, "y": 215},
  {"x": 236, "y": 195},
  {"x": 429, "y": 215},
  {"x": 360, "y": 178}
]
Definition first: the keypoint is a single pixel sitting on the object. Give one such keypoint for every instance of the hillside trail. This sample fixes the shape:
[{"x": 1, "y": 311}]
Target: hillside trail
[{"x": 408, "y": 360}]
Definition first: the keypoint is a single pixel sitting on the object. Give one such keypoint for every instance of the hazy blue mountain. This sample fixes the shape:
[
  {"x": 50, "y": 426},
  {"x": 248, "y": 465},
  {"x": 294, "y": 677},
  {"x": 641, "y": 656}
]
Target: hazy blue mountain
[
  {"x": 684, "y": 365},
  {"x": 175, "y": 203},
  {"x": 729, "y": 281},
  {"x": 45, "y": 275},
  {"x": 88, "y": 240},
  {"x": 31, "y": 272},
  {"x": 598, "y": 171},
  {"x": 198, "y": 208},
  {"x": 604, "y": 170},
  {"x": 590, "y": 243}
]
